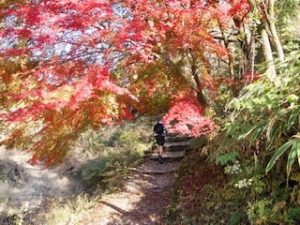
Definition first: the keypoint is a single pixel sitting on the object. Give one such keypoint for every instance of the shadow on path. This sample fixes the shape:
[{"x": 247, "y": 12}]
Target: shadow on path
[{"x": 143, "y": 199}]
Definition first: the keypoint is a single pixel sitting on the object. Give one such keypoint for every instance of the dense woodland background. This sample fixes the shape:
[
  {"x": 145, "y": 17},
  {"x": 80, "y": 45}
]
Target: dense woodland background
[{"x": 226, "y": 70}]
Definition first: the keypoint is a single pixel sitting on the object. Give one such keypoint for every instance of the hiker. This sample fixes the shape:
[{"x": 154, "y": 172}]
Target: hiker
[{"x": 160, "y": 131}]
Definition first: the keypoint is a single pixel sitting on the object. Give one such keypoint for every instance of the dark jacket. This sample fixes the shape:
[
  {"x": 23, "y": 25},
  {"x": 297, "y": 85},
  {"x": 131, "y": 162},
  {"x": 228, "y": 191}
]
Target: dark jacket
[{"x": 159, "y": 129}]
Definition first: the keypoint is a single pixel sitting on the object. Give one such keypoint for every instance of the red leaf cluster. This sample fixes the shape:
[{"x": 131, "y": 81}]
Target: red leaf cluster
[{"x": 185, "y": 117}]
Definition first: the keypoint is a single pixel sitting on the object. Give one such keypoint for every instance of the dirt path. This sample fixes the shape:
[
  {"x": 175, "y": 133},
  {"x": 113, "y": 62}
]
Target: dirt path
[
  {"x": 26, "y": 187},
  {"x": 141, "y": 201}
]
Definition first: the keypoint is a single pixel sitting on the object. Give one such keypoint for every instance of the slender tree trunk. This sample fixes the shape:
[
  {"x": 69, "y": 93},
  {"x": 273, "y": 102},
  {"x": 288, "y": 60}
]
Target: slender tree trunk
[
  {"x": 275, "y": 37},
  {"x": 189, "y": 69},
  {"x": 200, "y": 96},
  {"x": 253, "y": 54},
  {"x": 277, "y": 42},
  {"x": 271, "y": 71},
  {"x": 249, "y": 49},
  {"x": 230, "y": 59}
]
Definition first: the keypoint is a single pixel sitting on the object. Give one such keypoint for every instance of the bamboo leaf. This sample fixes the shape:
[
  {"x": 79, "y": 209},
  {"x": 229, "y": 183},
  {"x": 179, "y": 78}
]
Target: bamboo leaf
[
  {"x": 277, "y": 128},
  {"x": 291, "y": 158},
  {"x": 282, "y": 149},
  {"x": 244, "y": 135},
  {"x": 298, "y": 152},
  {"x": 270, "y": 127},
  {"x": 293, "y": 119}
]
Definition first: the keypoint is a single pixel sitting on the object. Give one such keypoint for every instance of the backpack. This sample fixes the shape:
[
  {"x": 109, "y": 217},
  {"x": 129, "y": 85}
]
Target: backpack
[{"x": 159, "y": 128}]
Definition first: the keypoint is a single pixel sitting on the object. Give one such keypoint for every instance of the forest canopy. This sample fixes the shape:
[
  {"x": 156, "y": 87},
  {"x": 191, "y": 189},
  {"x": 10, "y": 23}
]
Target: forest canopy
[
  {"x": 70, "y": 65},
  {"x": 67, "y": 66}
]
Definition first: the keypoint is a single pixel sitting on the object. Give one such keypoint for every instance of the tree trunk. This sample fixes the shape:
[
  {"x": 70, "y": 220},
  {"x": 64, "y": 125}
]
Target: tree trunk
[
  {"x": 200, "y": 96},
  {"x": 230, "y": 58},
  {"x": 249, "y": 49},
  {"x": 275, "y": 37},
  {"x": 277, "y": 42},
  {"x": 271, "y": 71}
]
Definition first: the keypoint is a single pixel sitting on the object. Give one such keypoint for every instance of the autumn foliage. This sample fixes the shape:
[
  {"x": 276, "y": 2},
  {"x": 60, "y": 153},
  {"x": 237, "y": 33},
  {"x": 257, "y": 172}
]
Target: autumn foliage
[
  {"x": 186, "y": 116},
  {"x": 69, "y": 65}
]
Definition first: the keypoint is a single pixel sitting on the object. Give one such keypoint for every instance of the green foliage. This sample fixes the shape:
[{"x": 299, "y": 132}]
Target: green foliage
[
  {"x": 235, "y": 218},
  {"x": 112, "y": 151},
  {"x": 268, "y": 115},
  {"x": 226, "y": 158},
  {"x": 110, "y": 165},
  {"x": 286, "y": 11},
  {"x": 220, "y": 144},
  {"x": 294, "y": 146},
  {"x": 292, "y": 215},
  {"x": 260, "y": 134},
  {"x": 259, "y": 212}
]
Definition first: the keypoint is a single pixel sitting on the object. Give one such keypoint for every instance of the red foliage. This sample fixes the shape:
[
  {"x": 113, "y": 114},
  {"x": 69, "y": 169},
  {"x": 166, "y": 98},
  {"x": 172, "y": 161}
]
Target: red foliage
[
  {"x": 226, "y": 11},
  {"x": 76, "y": 47},
  {"x": 185, "y": 117},
  {"x": 245, "y": 79},
  {"x": 15, "y": 52},
  {"x": 240, "y": 8},
  {"x": 25, "y": 33},
  {"x": 249, "y": 78}
]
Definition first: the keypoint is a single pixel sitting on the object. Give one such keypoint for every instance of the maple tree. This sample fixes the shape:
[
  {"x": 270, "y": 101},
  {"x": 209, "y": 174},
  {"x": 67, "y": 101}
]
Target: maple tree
[
  {"x": 185, "y": 116},
  {"x": 69, "y": 65}
]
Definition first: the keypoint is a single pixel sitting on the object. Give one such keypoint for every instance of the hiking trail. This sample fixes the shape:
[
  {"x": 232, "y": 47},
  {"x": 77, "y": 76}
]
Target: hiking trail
[
  {"x": 142, "y": 200},
  {"x": 146, "y": 193}
]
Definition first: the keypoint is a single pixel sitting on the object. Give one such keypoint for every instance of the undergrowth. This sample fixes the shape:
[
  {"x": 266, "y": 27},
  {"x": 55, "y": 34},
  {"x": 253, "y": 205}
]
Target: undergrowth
[
  {"x": 112, "y": 151},
  {"x": 99, "y": 162},
  {"x": 257, "y": 147},
  {"x": 109, "y": 154}
]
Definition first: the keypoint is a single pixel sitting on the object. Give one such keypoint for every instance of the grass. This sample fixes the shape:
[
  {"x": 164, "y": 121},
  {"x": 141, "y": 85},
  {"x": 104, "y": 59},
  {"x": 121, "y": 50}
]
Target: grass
[
  {"x": 113, "y": 151},
  {"x": 106, "y": 171},
  {"x": 69, "y": 212}
]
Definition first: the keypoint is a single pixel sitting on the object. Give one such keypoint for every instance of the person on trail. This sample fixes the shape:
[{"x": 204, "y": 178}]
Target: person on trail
[{"x": 160, "y": 131}]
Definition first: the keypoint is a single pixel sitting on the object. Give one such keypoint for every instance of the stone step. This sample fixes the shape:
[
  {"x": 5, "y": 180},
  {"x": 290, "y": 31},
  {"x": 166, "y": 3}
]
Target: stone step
[
  {"x": 173, "y": 135},
  {"x": 178, "y": 138},
  {"x": 178, "y": 146},
  {"x": 169, "y": 155},
  {"x": 158, "y": 172},
  {"x": 173, "y": 146},
  {"x": 149, "y": 151},
  {"x": 150, "y": 167}
]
